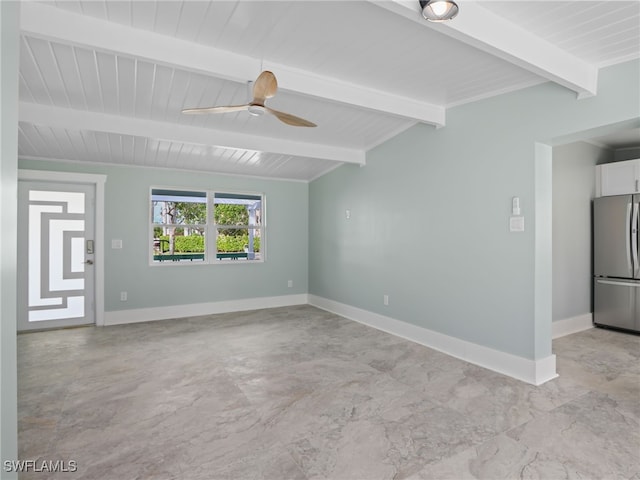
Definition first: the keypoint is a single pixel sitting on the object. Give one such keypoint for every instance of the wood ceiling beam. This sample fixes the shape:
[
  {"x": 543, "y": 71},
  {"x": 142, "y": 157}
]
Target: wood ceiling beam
[
  {"x": 480, "y": 28},
  {"x": 58, "y": 25},
  {"x": 73, "y": 119}
]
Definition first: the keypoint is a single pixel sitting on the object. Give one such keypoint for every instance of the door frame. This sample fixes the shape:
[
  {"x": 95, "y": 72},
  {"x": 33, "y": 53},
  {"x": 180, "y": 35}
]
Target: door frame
[{"x": 98, "y": 182}]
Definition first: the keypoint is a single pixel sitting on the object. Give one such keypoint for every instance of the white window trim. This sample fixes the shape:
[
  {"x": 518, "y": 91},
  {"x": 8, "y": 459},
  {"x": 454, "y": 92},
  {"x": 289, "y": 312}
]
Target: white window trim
[{"x": 210, "y": 228}]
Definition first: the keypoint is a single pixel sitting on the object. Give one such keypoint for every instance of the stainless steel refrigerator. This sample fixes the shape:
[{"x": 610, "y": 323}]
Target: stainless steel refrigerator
[{"x": 616, "y": 282}]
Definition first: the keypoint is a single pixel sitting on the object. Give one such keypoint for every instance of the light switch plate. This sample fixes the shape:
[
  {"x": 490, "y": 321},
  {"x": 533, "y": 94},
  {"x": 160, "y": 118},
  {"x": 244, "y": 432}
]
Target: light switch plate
[
  {"x": 516, "y": 224},
  {"x": 116, "y": 243}
]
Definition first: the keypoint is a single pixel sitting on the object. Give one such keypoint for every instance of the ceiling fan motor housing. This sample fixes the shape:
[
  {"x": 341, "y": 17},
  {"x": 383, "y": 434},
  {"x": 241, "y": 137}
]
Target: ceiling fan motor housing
[{"x": 256, "y": 110}]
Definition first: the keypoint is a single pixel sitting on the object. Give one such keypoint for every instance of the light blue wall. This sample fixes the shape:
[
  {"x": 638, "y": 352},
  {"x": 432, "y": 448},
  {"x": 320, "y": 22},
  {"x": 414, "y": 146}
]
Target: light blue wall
[
  {"x": 574, "y": 187},
  {"x": 430, "y": 211},
  {"x": 127, "y": 216},
  {"x": 9, "y": 44}
]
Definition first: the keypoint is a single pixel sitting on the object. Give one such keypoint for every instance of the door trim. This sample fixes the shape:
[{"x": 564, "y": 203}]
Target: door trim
[{"x": 98, "y": 181}]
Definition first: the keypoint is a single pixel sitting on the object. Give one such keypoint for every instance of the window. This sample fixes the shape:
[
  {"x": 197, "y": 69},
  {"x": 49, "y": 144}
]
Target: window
[
  {"x": 238, "y": 223},
  {"x": 206, "y": 227}
]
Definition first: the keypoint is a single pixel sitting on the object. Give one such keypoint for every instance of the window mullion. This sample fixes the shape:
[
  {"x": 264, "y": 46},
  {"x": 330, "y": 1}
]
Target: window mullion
[{"x": 210, "y": 238}]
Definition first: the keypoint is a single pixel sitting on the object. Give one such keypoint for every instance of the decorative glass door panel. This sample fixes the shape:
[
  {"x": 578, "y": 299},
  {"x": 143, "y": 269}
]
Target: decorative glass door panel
[{"x": 56, "y": 250}]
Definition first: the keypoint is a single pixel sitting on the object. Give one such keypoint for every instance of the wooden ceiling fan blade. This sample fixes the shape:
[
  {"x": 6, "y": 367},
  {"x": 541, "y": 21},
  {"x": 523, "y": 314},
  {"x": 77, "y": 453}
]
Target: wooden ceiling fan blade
[
  {"x": 228, "y": 109},
  {"x": 264, "y": 87},
  {"x": 290, "y": 119}
]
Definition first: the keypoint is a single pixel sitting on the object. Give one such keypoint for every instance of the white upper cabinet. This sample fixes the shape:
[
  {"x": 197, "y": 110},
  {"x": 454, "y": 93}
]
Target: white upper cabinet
[{"x": 618, "y": 178}]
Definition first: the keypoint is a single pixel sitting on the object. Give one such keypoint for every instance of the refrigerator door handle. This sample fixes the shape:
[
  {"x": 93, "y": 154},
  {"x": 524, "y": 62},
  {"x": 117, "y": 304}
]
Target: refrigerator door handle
[
  {"x": 630, "y": 265},
  {"x": 622, "y": 284},
  {"x": 634, "y": 239}
]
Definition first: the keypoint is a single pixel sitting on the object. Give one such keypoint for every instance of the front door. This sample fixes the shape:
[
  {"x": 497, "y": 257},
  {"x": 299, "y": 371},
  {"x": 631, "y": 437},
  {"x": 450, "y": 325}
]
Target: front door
[{"x": 55, "y": 255}]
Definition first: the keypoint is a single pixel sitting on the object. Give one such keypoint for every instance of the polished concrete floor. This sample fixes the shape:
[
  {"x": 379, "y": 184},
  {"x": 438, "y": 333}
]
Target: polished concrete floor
[{"x": 299, "y": 393}]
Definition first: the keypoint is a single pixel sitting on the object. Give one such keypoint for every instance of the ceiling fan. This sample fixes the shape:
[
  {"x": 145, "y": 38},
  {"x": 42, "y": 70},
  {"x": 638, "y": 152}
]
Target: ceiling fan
[{"x": 264, "y": 87}]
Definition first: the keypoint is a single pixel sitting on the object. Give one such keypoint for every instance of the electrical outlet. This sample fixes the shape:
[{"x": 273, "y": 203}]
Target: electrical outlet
[
  {"x": 347, "y": 214},
  {"x": 385, "y": 299},
  {"x": 290, "y": 283},
  {"x": 123, "y": 296}
]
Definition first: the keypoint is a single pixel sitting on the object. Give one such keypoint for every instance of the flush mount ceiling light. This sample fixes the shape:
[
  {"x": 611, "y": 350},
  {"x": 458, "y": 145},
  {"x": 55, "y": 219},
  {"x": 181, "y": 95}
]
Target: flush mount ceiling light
[{"x": 438, "y": 10}]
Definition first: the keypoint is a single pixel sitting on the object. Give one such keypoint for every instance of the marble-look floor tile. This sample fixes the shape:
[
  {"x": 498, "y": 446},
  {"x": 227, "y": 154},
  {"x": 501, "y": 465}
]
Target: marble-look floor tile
[
  {"x": 583, "y": 358},
  {"x": 300, "y": 393},
  {"x": 625, "y": 391},
  {"x": 584, "y": 439},
  {"x": 376, "y": 428},
  {"x": 586, "y": 435},
  {"x": 265, "y": 461},
  {"x": 294, "y": 379},
  {"x": 500, "y": 401},
  {"x": 323, "y": 412},
  {"x": 503, "y": 458}
]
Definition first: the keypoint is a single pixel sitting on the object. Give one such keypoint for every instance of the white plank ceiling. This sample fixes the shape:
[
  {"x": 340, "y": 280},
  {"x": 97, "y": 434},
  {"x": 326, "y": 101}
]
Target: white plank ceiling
[{"x": 104, "y": 81}]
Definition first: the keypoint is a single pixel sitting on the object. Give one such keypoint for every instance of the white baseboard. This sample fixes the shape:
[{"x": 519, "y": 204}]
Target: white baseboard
[
  {"x": 567, "y": 326},
  {"x": 535, "y": 372},
  {"x": 137, "y": 315}
]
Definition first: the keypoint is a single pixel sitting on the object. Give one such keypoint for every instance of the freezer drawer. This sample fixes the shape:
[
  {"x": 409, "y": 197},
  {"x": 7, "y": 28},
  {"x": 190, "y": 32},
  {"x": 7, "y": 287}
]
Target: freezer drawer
[{"x": 616, "y": 303}]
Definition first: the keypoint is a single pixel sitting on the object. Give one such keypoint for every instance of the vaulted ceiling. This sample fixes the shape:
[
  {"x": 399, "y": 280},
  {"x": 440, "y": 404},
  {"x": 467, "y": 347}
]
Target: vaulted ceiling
[{"x": 105, "y": 81}]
